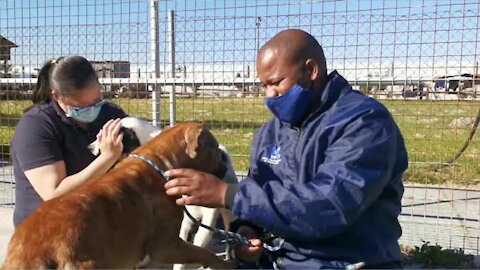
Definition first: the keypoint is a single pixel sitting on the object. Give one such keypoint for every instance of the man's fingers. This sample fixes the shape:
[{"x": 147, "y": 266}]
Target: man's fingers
[
  {"x": 186, "y": 201},
  {"x": 256, "y": 243},
  {"x": 178, "y": 190},
  {"x": 176, "y": 173},
  {"x": 175, "y": 182},
  {"x": 250, "y": 254},
  {"x": 254, "y": 249}
]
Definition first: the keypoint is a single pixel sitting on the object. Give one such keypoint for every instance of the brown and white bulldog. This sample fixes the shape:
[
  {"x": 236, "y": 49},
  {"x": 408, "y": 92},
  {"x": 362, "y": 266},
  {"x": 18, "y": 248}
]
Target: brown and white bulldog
[
  {"x": 137, "y": 132},
  {"x": 118, "y": 219}
]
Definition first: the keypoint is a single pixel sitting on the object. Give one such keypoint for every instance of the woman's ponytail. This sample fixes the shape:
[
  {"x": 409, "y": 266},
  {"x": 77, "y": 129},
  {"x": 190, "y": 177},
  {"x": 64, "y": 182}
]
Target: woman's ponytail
[{"x": 42, "y": 92}]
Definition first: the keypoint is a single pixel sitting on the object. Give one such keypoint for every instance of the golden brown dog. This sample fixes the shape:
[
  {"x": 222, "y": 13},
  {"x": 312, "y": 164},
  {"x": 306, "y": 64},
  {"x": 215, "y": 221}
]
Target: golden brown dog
[{"x": 116, "y": 220}]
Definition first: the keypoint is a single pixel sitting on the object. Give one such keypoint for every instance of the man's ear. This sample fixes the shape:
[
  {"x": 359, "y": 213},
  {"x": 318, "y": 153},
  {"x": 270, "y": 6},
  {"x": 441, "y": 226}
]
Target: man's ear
[
  {"x": 312, "y": 69},
  {"x": 192, "y": 136}
]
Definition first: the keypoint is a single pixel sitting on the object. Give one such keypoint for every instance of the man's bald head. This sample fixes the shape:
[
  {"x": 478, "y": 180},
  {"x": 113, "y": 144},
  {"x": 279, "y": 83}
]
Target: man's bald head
[
  {"x": 295, "y": 46},
  {"x": 292, "y": 57}
]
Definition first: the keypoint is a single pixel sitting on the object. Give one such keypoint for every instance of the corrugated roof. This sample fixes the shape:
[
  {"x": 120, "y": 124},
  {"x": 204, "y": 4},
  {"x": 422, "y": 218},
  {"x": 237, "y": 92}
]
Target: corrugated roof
[{"x": 5, "y": 42}]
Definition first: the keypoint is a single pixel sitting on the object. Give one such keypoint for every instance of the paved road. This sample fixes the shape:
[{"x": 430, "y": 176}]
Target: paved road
[
  {"x": 6, "y": 230},
  {"x": 449, "y": 217}
]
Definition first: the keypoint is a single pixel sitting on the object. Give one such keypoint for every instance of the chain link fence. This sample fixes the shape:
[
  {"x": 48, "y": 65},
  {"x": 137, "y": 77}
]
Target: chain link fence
[{"x": 179, "y": 60}]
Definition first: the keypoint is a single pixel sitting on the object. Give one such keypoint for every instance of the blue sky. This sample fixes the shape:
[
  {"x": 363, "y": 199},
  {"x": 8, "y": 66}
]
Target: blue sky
[{"x": 352, "y": 32}]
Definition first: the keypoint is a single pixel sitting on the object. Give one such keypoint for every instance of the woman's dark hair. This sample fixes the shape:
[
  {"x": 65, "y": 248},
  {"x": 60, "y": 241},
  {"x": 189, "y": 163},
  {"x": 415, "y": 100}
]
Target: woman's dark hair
[{"x": 66, "y": 75}]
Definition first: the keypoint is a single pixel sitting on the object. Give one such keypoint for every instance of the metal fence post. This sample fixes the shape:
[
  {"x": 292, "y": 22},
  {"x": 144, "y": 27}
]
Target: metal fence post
[
  {"x": 171, "y": 51},
  {"x": 155, "y": 58}
]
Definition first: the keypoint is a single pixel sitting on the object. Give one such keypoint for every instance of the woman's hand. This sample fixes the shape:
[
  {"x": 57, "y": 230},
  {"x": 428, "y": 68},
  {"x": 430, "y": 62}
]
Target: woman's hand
[
  {"x": 249, "y": 254},
  {"x": 110, "y": 140},
  {"x": 200, "y": 188}
]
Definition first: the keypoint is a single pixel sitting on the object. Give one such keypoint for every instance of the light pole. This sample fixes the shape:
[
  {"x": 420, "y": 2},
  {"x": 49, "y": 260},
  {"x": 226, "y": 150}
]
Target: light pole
[{"x": 257, "y": 34}]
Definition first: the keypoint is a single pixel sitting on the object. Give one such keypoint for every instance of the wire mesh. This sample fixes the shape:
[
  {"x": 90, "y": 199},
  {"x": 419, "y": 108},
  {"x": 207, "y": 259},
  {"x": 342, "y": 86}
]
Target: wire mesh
[{"x": 419, "y": 58}]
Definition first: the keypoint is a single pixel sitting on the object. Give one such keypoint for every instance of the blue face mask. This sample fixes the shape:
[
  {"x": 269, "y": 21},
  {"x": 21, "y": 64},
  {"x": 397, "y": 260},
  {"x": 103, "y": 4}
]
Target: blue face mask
[
  {"x": 86, "y": 114},
  {"x": 292, "y": 106}
]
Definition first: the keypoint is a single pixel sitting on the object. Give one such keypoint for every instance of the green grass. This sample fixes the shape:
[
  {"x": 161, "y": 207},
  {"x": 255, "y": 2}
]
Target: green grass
[
  {"x": 430, "y": 256},
  {"x": 425, "y": 126}
]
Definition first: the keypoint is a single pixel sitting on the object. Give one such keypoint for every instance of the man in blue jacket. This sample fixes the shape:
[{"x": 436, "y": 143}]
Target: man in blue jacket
[{"x": 325, "y": 173}]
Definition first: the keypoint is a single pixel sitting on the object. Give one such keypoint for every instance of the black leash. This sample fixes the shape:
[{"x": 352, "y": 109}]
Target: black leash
[{"x": 230, "y": 238}]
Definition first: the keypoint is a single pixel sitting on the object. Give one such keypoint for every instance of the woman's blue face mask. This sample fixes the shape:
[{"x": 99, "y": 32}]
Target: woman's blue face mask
[
  {"x": 85, "y": 114},
  {"x": 292, "y": 106}
]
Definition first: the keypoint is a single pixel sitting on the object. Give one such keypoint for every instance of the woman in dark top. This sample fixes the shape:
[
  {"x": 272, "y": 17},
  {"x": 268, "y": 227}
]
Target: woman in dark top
[{"x": 49, "y": 148}]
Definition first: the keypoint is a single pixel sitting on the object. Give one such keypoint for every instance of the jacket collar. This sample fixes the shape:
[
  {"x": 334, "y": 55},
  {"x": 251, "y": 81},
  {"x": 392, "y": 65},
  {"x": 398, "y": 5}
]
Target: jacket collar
[{"x": 332, "y": 91}]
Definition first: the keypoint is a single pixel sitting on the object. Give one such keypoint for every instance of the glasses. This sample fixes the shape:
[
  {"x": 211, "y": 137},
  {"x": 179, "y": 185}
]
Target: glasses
[
  {"x": 85, "y": 108},
  {"x": 80, "y": 110}
]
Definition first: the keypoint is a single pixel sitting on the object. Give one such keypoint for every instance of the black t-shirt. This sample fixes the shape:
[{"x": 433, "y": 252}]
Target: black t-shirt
[{"x": 44, "y": 135}]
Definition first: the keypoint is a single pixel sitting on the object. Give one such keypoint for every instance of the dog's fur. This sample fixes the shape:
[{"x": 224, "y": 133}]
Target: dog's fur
[
  {"x": 117, "y": 219},
  {"x": 207, "y": 216},
  {"x": 140, "y": 131}
]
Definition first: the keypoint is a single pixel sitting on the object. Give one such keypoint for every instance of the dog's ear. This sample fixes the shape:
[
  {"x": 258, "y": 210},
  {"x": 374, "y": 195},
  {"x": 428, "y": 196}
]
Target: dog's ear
[
  {"x": 130, "y": 140},
  {"x": 192, "y": 136},
  {"x": 198, "y": 137}
]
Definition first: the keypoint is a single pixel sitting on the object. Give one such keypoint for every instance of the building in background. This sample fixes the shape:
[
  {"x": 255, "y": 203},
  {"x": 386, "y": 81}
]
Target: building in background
[
  {"x": 5, "y": 47},
  {"x": 112, "y": 69}
]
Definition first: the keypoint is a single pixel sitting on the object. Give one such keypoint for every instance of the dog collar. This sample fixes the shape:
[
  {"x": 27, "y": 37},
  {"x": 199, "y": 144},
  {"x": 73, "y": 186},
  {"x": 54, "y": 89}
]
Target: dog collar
[{"x": 151, "y": 164}]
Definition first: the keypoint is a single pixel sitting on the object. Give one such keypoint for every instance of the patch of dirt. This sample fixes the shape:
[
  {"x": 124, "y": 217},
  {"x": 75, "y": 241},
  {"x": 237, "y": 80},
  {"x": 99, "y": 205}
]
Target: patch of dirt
[{"x": 462, "y": 122}]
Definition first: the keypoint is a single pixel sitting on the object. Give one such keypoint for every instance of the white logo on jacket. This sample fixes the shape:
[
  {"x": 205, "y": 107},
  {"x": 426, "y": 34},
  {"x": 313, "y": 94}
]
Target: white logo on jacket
[{"x": 273, "y": 156}]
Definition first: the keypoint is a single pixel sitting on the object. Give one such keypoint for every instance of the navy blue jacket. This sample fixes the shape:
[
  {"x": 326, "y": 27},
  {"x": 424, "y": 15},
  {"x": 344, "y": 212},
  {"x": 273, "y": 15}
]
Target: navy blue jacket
[{"x": 333, "y": 187}]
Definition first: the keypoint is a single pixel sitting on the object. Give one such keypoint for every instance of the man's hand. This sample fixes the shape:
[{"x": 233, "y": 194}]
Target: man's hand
[
  {"x": 249, "y": 254},
  {"x": 200, "y": 188}
]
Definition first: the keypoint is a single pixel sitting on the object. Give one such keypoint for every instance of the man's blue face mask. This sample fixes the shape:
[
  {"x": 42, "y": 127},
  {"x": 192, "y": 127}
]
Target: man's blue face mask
[
  {"x": 86, "y": 114},
  {"x": 292, "y": 106}
]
